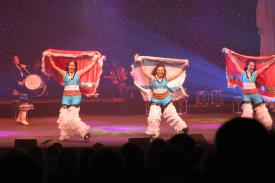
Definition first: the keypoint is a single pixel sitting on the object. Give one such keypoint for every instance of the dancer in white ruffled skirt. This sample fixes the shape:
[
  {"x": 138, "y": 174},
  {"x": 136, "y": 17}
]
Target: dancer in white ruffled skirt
[
  {"x": 69, "y": 121},
  {"x": 251, "y": 97},
  {"x": 161, "y": 101}
]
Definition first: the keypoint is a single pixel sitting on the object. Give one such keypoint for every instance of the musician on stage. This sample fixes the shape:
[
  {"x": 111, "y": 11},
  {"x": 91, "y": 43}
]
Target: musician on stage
[
  {"x": 119, "y": 77},
  {"x": 18, "y": 73}
]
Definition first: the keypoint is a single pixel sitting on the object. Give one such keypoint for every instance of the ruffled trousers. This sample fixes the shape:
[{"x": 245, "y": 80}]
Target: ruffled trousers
[
  {"x": 169, "y": 114},
  {"x": 70, "y": 123},
  {"x": 262, "y": 114}
]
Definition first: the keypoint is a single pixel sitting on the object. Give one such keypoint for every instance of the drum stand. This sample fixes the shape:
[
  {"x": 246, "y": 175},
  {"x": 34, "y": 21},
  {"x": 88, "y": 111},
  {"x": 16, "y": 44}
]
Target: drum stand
[
  {"x": 217, "y": 97},
  {"x": 236, "y": 104},
  {"x": 182, "y": 106},
  {"x": 202, "y": 98}
]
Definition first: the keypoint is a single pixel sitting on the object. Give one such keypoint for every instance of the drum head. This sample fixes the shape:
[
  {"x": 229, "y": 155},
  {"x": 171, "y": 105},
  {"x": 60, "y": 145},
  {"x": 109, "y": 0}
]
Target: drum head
[{"x": 33, "y": 82}]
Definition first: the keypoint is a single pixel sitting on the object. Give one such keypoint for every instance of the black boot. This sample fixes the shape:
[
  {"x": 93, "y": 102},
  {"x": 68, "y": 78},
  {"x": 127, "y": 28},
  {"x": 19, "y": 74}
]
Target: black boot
[
  {"x": 185, "y": 130},
  {"x": 151, "y": 136}
]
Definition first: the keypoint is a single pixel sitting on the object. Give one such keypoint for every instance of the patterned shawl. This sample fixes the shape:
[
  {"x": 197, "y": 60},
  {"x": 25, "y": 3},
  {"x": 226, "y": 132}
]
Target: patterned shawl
[
  {"x": 265, "y": 82},
  {"x": 172, "y": 65},
  {"x": 89, "y": 81}
]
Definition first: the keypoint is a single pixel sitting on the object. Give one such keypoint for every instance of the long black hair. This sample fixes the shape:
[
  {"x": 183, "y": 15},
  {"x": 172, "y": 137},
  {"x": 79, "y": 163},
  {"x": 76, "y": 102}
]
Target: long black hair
[
  {"x": 154, "y": 72},
  {"x": 75, "y": 63}
]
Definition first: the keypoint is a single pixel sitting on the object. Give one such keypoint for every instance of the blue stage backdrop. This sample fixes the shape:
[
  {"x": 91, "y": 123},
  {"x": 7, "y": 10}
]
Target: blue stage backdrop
[{"x": 195, "y": 29}]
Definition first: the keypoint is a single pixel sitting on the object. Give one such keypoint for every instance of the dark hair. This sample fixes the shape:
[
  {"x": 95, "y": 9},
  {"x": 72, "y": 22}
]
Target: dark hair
[
  {"x": 154, "y": 72},
  {"x": 15, "y": 55},
  {"x": 75, "y": 63},
  {"x": 246, "y": 66}
]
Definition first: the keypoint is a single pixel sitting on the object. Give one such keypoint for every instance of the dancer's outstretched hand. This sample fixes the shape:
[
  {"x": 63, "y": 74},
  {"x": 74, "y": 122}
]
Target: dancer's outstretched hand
[
  {"x": 224, "y": 50},
  {"x": 273, "y": 59},
  {"x": 137, "y": 57},
  {"x": 186, "y": 64},
  {"x": 50, "y": 58}
]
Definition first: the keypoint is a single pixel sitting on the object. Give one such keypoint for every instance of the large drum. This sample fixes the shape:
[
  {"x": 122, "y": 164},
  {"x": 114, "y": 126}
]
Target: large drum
[{"x": 35, "y": 84}]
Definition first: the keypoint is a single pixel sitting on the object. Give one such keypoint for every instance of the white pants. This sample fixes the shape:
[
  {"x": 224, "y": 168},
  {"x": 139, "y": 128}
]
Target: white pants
[
  {"x": 70, "y": 123},
  {"x": 262, "y": 114},
  {"x": 170, "y": 115}
]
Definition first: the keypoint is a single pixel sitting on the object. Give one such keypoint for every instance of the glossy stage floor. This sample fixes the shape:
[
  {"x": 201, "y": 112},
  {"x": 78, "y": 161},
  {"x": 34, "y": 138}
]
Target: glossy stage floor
[{"x": 110, "y": 130}]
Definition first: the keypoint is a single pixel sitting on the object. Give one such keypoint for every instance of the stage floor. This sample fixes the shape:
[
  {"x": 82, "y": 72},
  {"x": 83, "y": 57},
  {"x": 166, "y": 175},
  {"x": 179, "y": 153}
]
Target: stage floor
[{"x": 112, "y": 131}]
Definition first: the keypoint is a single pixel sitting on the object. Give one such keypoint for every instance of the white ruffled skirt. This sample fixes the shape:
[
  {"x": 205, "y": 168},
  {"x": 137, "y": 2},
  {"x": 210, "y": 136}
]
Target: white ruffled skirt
[{"x": 70, "y": 123}]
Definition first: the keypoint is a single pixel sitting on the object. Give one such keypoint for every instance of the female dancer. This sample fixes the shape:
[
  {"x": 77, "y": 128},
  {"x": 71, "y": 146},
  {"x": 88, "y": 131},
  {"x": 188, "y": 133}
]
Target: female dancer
[
  {"x": 69, "y": 121},
  {"x": 250, "y": 92},
  {"x": 161, "y": 102}
]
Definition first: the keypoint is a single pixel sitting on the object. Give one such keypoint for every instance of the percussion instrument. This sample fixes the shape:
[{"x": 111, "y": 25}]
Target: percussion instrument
[{"x": 35, "y": 84}]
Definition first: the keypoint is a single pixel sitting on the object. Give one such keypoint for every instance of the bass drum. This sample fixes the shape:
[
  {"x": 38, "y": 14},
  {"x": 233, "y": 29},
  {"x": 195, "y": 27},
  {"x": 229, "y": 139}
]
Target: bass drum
[{"x": 35, "y": 84}]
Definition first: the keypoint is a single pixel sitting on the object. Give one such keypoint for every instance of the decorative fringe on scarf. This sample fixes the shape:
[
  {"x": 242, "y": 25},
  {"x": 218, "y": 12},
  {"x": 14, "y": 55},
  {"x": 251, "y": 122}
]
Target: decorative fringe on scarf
[
  {"x": 89, "y": 81},
  {"x": 265, "y": 81},
  {"x": 175, "y": 87}
]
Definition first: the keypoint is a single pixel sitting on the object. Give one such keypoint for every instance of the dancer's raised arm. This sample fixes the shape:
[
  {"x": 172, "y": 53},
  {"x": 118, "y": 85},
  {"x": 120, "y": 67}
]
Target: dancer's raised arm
[
  {"x": 59, "y": 71},
  {"x": 146, "y": 73},
  {"x": 177, "y": 74},
  {"x": 95, "y": 58},
  {"x": 234, "y": 61},
  {"x": 259, "y": 71}
]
